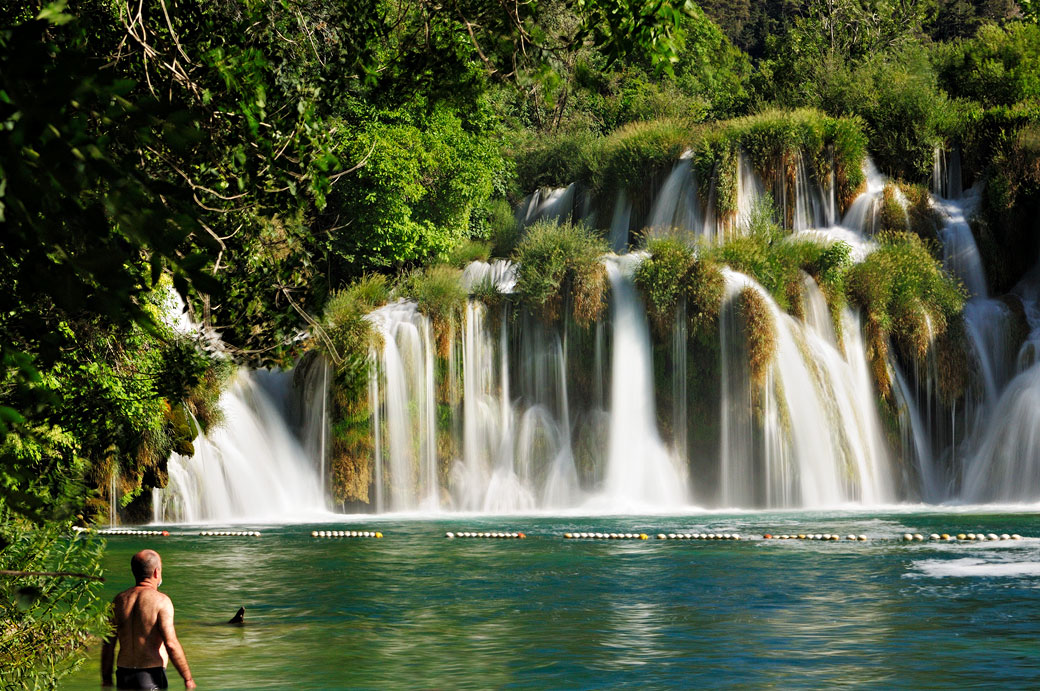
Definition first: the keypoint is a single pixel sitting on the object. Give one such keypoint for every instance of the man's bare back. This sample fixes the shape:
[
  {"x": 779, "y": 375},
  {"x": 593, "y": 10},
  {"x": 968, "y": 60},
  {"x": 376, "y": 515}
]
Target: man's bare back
[
  {"x": 139, "y": 613},
  {"x": 143, "y": 619}
]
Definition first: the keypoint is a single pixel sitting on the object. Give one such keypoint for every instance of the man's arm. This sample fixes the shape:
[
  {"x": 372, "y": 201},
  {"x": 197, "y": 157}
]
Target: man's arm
[
  {"x": 173, "y": 646},
  {"x": 108, "y": 651}
]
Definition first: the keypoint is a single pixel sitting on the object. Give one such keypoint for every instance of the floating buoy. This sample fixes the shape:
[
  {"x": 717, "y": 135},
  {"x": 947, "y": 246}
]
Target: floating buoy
[
  {"x": 344, "y": 533},
  {"x": 494, "y": 536},
  {"x": 1005, "y": 536},
  {"x": 125, "y": 531},
  {"x": 231, "y": 533},
  {"x": 1016, "y": 536}
]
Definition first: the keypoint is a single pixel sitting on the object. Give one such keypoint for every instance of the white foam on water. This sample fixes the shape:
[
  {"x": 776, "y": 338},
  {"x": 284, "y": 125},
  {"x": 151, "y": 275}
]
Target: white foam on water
[{"x": 971, "y": 567}]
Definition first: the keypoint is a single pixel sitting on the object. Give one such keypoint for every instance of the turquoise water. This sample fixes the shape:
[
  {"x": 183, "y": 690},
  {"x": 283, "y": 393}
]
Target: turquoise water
[{"x": 414, "y": 610}]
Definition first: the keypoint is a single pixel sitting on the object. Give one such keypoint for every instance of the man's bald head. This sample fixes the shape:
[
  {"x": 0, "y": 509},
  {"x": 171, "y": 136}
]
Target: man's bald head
[{"x": 144, "y": 563}]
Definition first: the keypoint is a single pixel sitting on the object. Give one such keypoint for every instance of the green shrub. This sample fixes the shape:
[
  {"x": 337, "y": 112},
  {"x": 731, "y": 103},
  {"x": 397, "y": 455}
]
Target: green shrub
[
  {"x": 897, "y": 95},
  {"x": 439, "y": 293},
  {"x": 505, "y": 231},
  {"x": 556, "y": 160},
  {"x": 637, "y": 152},
  {"x": 558, "y": 263},
  {"x": 906, "y": 295},
  {"x": 893, "y": 216},
  {"x": 348, "y": 335},
  {"x": 47, "y": 620},
  {"x": 999, "y": 66},
  {"x": 773, "y": 141},
  {"x": 467, "y": 252}
]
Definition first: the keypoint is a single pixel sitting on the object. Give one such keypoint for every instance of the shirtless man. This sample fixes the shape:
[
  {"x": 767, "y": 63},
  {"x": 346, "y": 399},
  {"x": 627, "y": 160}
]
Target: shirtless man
[{"x": 143, "y": 618}]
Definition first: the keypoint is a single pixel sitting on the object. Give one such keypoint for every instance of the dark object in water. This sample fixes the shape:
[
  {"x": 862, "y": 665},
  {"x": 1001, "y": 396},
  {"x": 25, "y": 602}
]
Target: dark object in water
[{"x": 240, "y": 616}]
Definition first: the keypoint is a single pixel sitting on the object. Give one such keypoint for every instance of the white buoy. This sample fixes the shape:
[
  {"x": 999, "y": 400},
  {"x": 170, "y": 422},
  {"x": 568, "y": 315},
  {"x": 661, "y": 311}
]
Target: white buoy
[
  {"x": 992, "y": 536},
  {"x": 919, "y": 537},
  {"x": 1005, "y": 536},
  {"x": 907, "y": 537},
  {"x": 1016, "y": 536}
]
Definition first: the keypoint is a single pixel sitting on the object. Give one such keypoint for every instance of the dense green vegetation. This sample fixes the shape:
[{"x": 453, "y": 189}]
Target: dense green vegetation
[{"x": 288, "y": 165}]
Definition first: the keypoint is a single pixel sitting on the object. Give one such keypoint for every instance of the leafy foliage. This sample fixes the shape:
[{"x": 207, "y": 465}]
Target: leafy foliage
[
  {"x": 47, "y": 618},
  {"x": 560, "y": 267}
]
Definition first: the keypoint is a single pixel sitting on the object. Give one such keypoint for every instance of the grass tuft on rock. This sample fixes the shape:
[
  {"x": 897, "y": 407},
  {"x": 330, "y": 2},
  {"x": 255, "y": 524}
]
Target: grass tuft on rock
[{"x": 560, "y": 267}]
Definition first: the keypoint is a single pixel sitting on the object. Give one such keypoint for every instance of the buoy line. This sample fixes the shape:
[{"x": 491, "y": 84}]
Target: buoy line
[
  {"x": 498, "y": 535},
  {"x": 345, "y": 533},
  {"x": 961, "y": 537},
  {"x": 827, "y": 537},
  {"x": 699, "y": 536},
  {"x": 230, "y": 533},
  {"x": 121, "y": 531},
  {"x": 606, "y": 536}
]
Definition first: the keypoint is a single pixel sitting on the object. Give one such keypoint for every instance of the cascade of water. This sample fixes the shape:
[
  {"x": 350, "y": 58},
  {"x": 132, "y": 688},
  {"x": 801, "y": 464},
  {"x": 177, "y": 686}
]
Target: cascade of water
[
  {"x": 810, "y": 210},
  {"x": 406, "y": 364},
  {"x": 620, "y": 221},
  {"x": 915, "y": 440},
  {"x": 113, "y": 483},
  {"x": 676, "y": 209},
  {"x": 548, "y": 205},
  {"x": 251, "y": 466},
  {"x": 750, "y": 190},
  {"x": 500, "y": 273},
  {"x": 946, "y": 173},
  {"x": 680, "y": 421},
  {"x": 861, "y": 216},
  {"x": 309, "y": 409},
  {"x": 820, "y": 438},
  {"x": 960, "y": 254},
  {"x": 1006, "y": 466},
  {"x": 640, "y": 470}
]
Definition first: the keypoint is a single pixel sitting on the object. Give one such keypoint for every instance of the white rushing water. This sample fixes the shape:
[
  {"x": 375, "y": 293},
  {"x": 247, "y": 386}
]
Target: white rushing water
[
  {"x": 816, "y": 439},
  {"x": 408, "y": 467},
  {"x": 640, "y": 470},
  {"x": 250, "y": 467}
]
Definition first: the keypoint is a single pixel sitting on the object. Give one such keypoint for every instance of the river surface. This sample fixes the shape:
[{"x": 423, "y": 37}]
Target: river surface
[{"x": 416, "y": 610}]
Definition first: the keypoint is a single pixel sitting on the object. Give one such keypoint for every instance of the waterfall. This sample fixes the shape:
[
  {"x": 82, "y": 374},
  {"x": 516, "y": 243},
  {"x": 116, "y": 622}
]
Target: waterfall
[
  {"x": 676, "y": 209},
  {"x": 1006, "y": 466},
  {"x": 749, "y": 191},
  {"x": 548, "y": 205},
  {"x": 810, "y": 211},
  {"x": 250, "y": 467},
  {"x": 817, "y": 438},
  {"x": 500, "y": 273},
  {"x": 309, "y": 410},
  {"x": 861, "y": 216},
  {"x": 946, "y": 173},
  {"x": 640, "y": 470},
  {"x": 620, "y": 221},
  {"x": 406, "y": 361},
  {"x": 960, "y": 254}
]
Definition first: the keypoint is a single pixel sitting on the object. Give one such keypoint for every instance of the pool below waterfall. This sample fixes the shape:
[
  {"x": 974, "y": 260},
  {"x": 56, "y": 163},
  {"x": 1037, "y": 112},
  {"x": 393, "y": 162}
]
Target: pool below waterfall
[{"x": 417, "y": 610}]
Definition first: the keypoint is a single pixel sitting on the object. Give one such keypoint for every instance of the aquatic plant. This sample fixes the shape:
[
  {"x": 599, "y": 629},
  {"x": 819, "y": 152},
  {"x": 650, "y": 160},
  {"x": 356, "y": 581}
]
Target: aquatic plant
[{"x": 558, "y": 263}]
